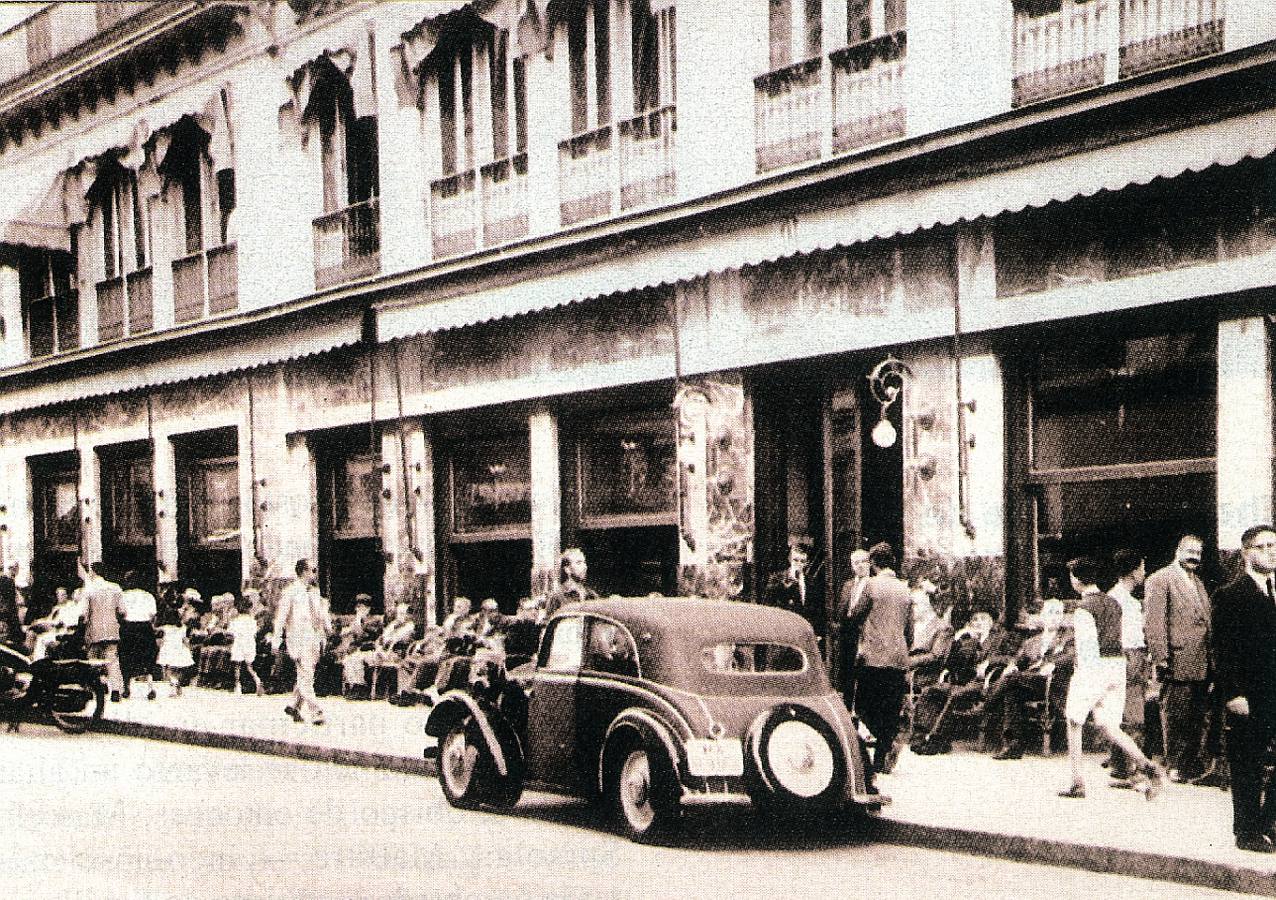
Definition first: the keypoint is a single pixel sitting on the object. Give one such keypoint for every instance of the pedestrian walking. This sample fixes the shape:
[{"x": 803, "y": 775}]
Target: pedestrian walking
[
  {"x": 174, "y": 651},
  {"x": 1098, "y": 680},
  {"x": 1130, "y": 570},
  {"x": 243, "y": 649},
  {"x": 1243, "y": 638},
  {"x": 302, "y": 623},
  {"x": 138, "y": 649},
  {"x": 103, "y": 607}
]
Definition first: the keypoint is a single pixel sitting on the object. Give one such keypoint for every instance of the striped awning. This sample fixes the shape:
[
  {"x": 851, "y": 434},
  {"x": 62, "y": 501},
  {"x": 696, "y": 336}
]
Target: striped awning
[{"x": 994, "y": 193}]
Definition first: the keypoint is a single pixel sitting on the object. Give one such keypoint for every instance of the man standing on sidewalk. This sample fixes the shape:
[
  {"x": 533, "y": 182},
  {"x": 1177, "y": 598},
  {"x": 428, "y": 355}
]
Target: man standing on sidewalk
[
  {"x": 1244, "y": 644},
  {"x": 887, "y": 611},
  {"x": 103, "y": 606},
  {"x": 1177, "y": 623},
  {"x": 845, "y": 631},
  {"x": 1098, "y": 682},
  {"x": 302, "y": 621}
]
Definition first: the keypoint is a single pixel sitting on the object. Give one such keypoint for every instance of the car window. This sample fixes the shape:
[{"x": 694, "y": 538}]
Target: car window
[
  {"x": 610, "y": 649},
  {"x": 563, "y": 653},
  {"x": 756, "y": 658}
]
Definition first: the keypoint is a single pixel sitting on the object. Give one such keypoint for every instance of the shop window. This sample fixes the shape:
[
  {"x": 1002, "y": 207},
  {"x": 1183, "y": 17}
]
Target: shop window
[
  {"x": 491, "y": 488},
  {"x": 355, "y": 497},
  {"x": 213, "y": 497},
  {"x": 628, "y": 473},
  {"x": 1122, "y": 447},
  {"x": 131, "y": 502},
  {"x": 59, "y": 512}
]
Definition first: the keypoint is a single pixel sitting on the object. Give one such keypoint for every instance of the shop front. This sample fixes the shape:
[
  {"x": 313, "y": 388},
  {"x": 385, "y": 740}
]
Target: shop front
[
  {"x": 128, "y": 510},
  {"x": 348, "y": 482},
  {"x": 208, "y": 522},
  {"x": 55, "y": 496}
]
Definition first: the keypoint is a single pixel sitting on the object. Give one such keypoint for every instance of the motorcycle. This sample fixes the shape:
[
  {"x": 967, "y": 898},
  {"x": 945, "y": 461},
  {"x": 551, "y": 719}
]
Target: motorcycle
[{"x": 71, "y": 693}]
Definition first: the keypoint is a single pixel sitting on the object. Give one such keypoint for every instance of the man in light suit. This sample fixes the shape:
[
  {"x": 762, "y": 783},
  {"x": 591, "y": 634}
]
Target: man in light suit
[
  {"x": 845, "y": 631},
  {"x": 1177, "y": 625},
  {"x": 302, "y": 620},
  {"x": 1244, "y": 643}
]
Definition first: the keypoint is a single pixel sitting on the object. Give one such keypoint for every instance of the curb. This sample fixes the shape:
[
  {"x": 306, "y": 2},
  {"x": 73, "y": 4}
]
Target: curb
[
  {"x": 1107, "y": 860},
  {"x": 1016, "y": 848}
]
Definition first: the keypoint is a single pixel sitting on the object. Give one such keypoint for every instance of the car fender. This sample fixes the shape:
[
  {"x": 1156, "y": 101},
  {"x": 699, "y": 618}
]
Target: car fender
[
  {"x": 649, "y": 727},
  {"x": 501, "y": 741}
]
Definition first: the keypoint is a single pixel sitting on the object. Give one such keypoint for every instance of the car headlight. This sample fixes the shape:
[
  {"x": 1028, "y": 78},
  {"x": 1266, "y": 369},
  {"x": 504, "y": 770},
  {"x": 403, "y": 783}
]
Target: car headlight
[{"x": 800, "y": 758}]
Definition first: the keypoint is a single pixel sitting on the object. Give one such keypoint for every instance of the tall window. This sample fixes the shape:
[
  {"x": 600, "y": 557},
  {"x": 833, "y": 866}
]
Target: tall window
[
  {"x": 50, "y": 307},
  {"x": 202, "y": 199},
  {"x": 213, "y": 497},
  {"x": 589, "y": 63},
  {"x": 655, "y": 57},
  {"x": 1123, "y": 443},
  {"x": 867, "y": 19},
  {"x": 348, "y": 147},
  {"x": 792, "y": 41},
  {"x": 456, "y": 106},
  {"x": 130, "y": 501},
  {"x": 123, "y": 222}
]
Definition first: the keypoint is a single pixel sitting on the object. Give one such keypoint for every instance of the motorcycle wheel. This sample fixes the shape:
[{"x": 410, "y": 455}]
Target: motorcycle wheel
[{"x": 76, "y": 707}]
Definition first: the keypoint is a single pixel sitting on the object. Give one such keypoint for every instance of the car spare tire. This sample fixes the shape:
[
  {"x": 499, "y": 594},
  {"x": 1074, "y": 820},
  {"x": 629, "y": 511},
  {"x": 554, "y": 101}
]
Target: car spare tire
[{"x": 797, "y": 757}]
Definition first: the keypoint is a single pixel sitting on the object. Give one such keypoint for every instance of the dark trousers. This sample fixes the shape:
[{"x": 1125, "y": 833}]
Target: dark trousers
[
  {"x": 1006, "y": 707},
  {"x": 1185, "y": 706},
  {"x": 848, "y": 638},
  {"x": 1253, "y": 793},
  {"x": 879, "y": 695}
]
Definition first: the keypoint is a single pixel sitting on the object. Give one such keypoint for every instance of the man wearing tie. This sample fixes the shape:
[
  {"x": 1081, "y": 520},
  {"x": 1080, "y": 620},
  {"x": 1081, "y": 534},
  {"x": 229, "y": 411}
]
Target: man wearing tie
[
  {"x": 788, "y": 587},
  {"x": 844, "y": 648},
  {"x": 1177, "y": 623},
  {"x": 1244, "y": 643}
]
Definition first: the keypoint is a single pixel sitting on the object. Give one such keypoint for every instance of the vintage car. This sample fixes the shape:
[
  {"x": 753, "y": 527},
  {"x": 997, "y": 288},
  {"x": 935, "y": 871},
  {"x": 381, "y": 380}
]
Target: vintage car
[{"x": 658, "y": 705}]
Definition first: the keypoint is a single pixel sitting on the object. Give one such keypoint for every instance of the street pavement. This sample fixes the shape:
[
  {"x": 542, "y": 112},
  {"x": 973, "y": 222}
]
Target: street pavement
[
  {"x": 103, "y": 817},
  {"x": 963, "y": 800}
]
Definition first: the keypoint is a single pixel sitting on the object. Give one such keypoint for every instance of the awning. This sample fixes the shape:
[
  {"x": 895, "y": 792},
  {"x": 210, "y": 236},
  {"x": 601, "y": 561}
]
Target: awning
[
  {"x": 350, "y": 58},
  {"x": 33, "y": 211},
  {"x": 273, "y": 343},
  {"x": 1010, "y": 190}
]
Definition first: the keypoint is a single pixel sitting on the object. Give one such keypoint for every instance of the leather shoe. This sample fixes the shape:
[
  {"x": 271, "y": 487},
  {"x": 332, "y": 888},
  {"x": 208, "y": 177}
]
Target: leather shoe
[
  {"x": 1212, "y": 777},
  {"x": 1255, "y": 843},
  {"x": 1011, "y": 752},
  {"x": 1074, "y": 792}
]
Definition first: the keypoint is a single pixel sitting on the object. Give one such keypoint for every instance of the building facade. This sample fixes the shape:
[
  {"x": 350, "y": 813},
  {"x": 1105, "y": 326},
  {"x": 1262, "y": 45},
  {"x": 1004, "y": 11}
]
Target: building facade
[{"x": 430, "y": 291}]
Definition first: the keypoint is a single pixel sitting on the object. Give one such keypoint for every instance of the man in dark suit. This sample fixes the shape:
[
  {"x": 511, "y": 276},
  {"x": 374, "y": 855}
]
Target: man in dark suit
[
  {"x": 1177, "y": 627},
  {"x": 789, "y": 587},
  {"x": 845, "y": 631},
  {"x": 1244, "y": 642},
  {"x": 10, "y": 621}
]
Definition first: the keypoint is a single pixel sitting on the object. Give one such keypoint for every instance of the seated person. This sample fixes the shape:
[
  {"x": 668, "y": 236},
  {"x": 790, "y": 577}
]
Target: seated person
[
  {"x": 960, "y": 688},
  {"x": 1044, "y": 662},
  {"x": 353, "y": 642},
  {"x": 390, "y": 647},
  {"x": 63, "y": 619},
  {"x": 419, "y": 668},
  {"x": 932, "y": 636}
]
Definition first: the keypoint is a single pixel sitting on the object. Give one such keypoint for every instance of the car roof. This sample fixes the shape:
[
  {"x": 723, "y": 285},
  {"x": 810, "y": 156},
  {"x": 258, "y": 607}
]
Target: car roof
[{"x": 700, "y": 617}]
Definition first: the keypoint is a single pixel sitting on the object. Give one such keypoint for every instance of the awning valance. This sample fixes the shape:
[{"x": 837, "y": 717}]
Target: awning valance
[
  {"x": 33, "y": 211},
  {"x": 350, "y": 60},
  {"x": 996, "y": 192},
  {"x": 274, "y": 343}
]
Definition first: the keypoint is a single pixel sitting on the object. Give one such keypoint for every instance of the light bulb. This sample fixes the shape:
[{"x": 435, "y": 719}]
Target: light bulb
[{"x": 884, "y": 434}]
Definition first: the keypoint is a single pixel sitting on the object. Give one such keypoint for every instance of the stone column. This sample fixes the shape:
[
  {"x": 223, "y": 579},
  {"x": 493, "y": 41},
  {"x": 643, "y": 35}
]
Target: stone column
[
  {"x": 165, "y": 484},
  {"x": 90, "y": 504},
  {"x": 691, "y": 406},
  {"x": 14, "y": 346},
  {"x": 16, "y": 524},
  {"x": 547, "y": 513},
  {"x": 408, "y": 516},
  {"x": 1244, "y": 429}
]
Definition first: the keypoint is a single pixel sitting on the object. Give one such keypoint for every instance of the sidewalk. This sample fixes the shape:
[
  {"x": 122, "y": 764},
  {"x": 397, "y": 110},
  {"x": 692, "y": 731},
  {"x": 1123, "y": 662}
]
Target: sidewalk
[{"x": 962, "y": 801}]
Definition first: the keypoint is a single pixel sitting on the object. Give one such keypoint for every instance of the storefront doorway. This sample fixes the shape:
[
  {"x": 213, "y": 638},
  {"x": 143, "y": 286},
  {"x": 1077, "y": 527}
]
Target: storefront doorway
[
  {"x": 820, "y": 477},
  {"x": 56, "y": 508},
  {"x": 128, "y": 510},
  {"x": 351, "y": 561},
  {"x": 208, "y": 526}
]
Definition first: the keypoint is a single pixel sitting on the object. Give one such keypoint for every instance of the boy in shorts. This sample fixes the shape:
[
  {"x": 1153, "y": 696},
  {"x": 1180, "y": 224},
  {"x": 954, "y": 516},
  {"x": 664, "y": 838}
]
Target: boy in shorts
[{"x": 1098, "y": 681}]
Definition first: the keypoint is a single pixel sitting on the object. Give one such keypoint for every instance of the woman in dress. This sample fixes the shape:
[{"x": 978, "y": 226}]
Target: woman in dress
[
  {"x": 137, "y": 634},
  {"x": 174, "y": 654}
]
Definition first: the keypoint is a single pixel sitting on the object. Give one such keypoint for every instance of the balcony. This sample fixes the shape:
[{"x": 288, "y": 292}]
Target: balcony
[
  {"x": 1160, "y": 33},
  {"x": 504, "y": 200},
  {"x": 586, "y": 174},
  {"x": 647, "y": 164},
  {"x": 205, "y": 283},
  {"x": 1061, "y": 51},
  {"x": 789, "y": 115},
  {"x": 868, "y": 92},
  {"x": 453, "y": 214},
  {"x": 56, "y": 29},
  {"x": 125, "y": 305},
  {"x": 53, "y": 325},
  {"x": 348, "y": 244}
]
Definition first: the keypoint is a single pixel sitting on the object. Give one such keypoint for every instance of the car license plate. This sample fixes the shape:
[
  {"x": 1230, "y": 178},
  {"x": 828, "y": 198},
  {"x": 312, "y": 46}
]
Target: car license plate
[{"x": 723, "y": 758}]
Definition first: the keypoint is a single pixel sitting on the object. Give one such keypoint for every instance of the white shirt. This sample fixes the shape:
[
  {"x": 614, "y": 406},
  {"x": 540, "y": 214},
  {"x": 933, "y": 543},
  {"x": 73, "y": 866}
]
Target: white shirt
[
  {"x": 1131, "y": 617},
  {"x": 139, "y": 605},
  {"x": 1263, "y": 581}
]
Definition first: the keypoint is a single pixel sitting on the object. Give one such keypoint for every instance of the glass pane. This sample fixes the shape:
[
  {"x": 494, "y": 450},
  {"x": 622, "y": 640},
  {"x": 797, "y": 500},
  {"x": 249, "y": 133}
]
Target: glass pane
[
  {"x": 63, "y": 520},
  {"x": 132, "y": 503},
  {"x": 356, "y": 486},
  {"x": 611, "y": 650},
  {"x": 755, "y": 658},
  {"x": 215, "y": 502},
  {"x": 565, "y": 650},
  {"x": 492, "y": 485},
  {"x": 629, "y": 471},
  {"x": 1126, "y": 401},
  {"x": 1147, "y": 515}
]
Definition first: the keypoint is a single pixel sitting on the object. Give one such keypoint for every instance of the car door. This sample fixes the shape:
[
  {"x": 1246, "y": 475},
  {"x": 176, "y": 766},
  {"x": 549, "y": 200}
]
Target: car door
[
  {"x": 551, "y": 717},
  {"x": 606, "y": 687}
]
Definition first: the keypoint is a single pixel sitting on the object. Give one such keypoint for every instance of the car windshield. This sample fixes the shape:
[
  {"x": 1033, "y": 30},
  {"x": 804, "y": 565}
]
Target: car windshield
[{"x": 753, "y": 658}]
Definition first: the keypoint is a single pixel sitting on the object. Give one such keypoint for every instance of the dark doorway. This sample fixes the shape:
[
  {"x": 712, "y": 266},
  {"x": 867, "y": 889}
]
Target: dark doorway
[
  {"x": 208, "y": 526},
  {"x": 632, "y": 562},
  {"x": 501, "y": 570},
  {"x": 351, "y": 560},
  {"x": 56, "y": 512},
  {"x": 128, "y": 511}
]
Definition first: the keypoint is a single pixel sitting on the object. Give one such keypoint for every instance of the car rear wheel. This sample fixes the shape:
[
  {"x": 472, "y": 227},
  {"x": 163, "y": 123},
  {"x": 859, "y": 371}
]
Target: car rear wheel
[
  {"x": 464, "y": 767},
  {"x": 645, "y": 797},
  {"x": 799, "y": 761},
  {"x": 77, "y": 707}
]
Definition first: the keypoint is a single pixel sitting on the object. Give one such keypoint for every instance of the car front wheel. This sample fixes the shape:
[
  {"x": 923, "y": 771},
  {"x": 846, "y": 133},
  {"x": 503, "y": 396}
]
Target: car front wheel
[
  {"x": 463, "y": 766},
  {"x": 645, "y": 796}
]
